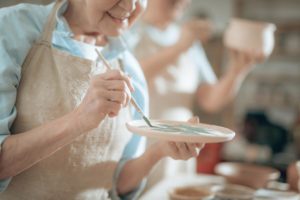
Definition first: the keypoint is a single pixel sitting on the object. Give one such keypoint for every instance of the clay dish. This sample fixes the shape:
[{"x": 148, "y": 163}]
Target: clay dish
[{"x": 253, "y": 176}]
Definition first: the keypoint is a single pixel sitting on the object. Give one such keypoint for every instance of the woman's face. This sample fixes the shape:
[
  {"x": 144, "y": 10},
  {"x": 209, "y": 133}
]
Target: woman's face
[
  {"x": 168, "y": 10},
  {"x": 112, "y": 17}
]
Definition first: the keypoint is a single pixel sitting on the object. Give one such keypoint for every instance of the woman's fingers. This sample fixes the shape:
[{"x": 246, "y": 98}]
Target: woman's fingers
[
  {"x": 114, "y": 85},
  {"x": 186, "y": 150},
  {"x": 192, "y": 149},
  {"x": 117, "y": 75},
  {"x": 106, "y": 95},
  {"x": 173, "y": 150},
  {"x": 194, "y": 120},
  {"x": 119, "y": 85},
  {"x": 200, "y": 145},
  {"x": 113, "y": 108},
  {"x": 183, "y": 150},
  {"x": 115, "y": 96}
]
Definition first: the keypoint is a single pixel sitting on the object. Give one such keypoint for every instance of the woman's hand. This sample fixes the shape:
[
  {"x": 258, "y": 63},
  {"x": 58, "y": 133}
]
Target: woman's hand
[
  {"x": 180, "y": 150},
  {"x": 129, "y": 179},
  {"x": 107, "y": 94}
]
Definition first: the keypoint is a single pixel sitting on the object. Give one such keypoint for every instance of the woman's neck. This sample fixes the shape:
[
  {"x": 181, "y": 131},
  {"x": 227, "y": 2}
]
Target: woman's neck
[
  {"x": 78, "y": 22},
  {"x": 76, "y": 17}
]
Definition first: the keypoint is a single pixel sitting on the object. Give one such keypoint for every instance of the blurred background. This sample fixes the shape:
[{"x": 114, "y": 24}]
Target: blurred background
[{"x": 266, "y": 112}]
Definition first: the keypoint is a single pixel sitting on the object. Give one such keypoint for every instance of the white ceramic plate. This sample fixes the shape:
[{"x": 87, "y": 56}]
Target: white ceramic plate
[
  {"x": 263, "y": 194},
  {"x": 178, "y": 131}
]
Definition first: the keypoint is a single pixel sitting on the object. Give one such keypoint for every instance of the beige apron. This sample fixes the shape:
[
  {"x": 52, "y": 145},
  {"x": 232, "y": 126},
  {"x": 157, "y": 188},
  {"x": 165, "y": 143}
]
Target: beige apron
[
  {"x": 53, "y": 83},
  {"x": 172, "y": 94}
]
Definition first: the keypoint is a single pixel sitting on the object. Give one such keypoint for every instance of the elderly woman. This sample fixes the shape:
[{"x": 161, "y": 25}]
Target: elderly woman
[{"x": 62, "y": 114}]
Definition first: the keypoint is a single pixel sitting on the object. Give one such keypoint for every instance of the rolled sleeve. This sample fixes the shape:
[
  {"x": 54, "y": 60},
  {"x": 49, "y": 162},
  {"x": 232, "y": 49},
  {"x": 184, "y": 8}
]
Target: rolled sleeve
[
  {"x": 9, "y": 80},
  {"x": 136, "y": 146},
  {"x": 14, "y": 47},
  {"x": 8, "y": 90},
  {"x": 10, "y": 72},
  {"x": 5, "y": 123},
  {"x": 134, "y": 194},
  {"x": 7, "y": 109}
]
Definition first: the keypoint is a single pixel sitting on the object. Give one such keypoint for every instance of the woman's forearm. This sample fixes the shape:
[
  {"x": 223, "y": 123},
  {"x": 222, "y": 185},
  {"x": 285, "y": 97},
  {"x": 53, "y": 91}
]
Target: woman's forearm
[
  {"x": 137, "y": 169},
  {"x": 214, "y": 97},
  {"x": 153, "y": 64},
  {"x": 21, "y": 151}
]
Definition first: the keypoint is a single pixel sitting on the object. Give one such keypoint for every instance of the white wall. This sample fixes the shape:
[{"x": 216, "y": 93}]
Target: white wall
[
  {"x": 219, "y": 11},
  {"x": 4, "y": 3},
  {"x": 277, "y": 10}
]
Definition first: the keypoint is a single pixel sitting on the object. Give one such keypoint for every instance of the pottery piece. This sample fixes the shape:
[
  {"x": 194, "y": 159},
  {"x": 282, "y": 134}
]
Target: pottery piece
[
  {"x": 266, "y": 194},
  {"x": 199, "y": 192},
  {"x": 250, "y": 36},
  {"x": 233, "y": 192},
  {"x": 178, "y": 131},
  {"x": 250, "y": 175}
]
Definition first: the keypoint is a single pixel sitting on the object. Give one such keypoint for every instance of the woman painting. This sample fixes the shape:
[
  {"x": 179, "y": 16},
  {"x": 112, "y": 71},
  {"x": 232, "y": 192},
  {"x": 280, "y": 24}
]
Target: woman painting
[{"x": 62, "y": 115}]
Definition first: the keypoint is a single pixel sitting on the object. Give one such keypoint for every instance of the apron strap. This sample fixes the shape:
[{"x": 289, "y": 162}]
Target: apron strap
[{"x": 51, "y": 23}]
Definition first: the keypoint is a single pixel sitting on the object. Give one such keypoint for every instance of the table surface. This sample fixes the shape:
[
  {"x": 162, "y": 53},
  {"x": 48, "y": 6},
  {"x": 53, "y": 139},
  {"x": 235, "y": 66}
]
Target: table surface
[{"x": 160, "y": 190}]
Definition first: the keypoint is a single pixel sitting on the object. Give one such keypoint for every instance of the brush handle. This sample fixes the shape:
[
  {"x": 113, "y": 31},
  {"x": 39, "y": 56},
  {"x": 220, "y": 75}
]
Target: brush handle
[{"x": 132, "y": 100}]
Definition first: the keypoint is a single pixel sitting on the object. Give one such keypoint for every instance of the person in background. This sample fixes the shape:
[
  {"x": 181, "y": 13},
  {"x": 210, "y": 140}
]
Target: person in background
[
  {"x": 178, "y": 71},
  {"x": 62, "y": 114}
]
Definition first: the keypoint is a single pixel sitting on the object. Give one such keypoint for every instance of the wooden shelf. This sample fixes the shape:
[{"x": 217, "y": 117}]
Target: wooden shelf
[
  {"x": 272, "y": 79},
  {"x": 288, "y": 27}
]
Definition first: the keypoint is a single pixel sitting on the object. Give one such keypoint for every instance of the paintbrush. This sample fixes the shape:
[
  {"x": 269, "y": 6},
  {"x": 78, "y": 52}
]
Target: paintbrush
[{"x": 132, "y": 101}]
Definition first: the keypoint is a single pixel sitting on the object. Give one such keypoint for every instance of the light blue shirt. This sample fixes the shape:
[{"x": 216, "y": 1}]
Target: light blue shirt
[
  {"x": 20, "y": 27},
  {"x": 169, "y": 37}
]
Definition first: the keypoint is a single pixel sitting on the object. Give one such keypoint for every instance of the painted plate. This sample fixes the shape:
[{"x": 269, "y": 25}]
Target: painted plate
[{"x": 178, "y": 131}]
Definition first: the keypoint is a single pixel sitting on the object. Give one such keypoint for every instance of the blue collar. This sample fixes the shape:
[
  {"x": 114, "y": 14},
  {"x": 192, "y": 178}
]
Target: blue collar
[{"x": 63, "y": 31}]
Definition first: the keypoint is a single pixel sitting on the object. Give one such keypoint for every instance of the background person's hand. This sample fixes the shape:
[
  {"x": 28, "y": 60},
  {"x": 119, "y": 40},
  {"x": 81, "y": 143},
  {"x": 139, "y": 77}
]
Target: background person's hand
[
  {"x": 107, "y": 94},
  {"x": 243, "y": 61},
  {"x": 181, "y": 150}
]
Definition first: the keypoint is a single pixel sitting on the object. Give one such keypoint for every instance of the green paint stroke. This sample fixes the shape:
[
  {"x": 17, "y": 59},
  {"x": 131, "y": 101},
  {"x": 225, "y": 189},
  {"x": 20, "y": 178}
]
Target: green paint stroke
[{"x": 183, "y": 129}]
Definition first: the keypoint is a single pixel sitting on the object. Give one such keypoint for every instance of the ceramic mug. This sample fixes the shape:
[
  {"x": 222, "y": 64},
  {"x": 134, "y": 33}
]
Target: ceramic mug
[
  {"x": 233, "y": 191},
  {"x": 298, "y": 171},
  {"x": 250, "y": 36},
  {"x": 199, "y": 192}
]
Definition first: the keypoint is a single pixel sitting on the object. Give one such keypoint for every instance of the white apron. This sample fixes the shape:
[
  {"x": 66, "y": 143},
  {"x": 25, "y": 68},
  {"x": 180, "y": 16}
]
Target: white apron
[
  {"x": 172, "y": 91},
  {"x": 53, "y": 83}
]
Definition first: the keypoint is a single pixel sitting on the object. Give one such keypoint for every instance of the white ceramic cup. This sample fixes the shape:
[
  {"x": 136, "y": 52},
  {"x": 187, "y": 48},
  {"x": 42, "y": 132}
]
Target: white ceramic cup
[{"x": 250, "y": 36}]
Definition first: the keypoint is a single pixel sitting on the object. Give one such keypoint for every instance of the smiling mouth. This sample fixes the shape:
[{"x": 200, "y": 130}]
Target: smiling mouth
[{"x": 119, "y": 20}]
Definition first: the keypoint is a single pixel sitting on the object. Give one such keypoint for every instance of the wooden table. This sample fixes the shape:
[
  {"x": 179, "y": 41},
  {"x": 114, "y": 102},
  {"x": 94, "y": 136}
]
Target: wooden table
[{"x": 160, "y": 190}]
